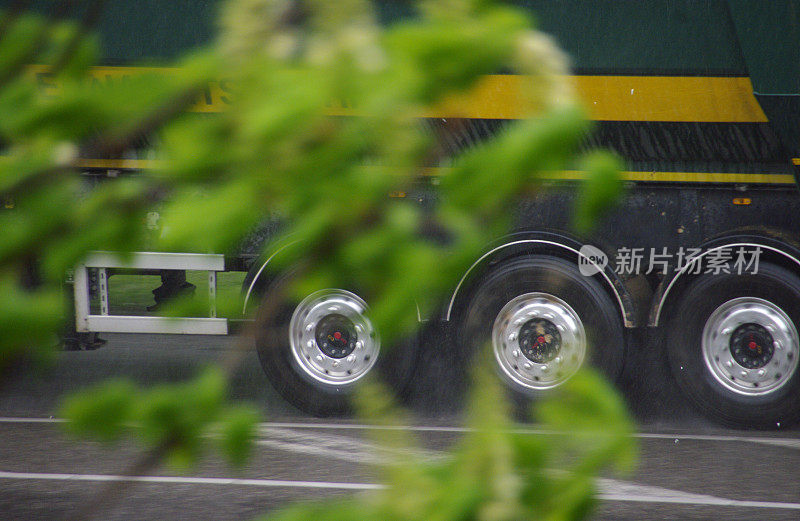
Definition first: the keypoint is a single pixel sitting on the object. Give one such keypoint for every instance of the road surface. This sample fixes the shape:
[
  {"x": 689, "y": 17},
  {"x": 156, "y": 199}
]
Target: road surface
[{"x": 689, "y": 467}]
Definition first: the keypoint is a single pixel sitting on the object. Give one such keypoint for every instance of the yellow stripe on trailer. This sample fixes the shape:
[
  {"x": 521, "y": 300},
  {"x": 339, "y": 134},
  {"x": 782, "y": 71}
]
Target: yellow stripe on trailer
[
  {"x": 119, "y": 164},
  {"x": 566, "y": 175},
  {"x": 705, "y": 177},
  {"x": 607, "y": 98},
  {"x": 611, "y": 98},
  {"x": 662, "y": 177},
  {"x": 670, "y": 98}
]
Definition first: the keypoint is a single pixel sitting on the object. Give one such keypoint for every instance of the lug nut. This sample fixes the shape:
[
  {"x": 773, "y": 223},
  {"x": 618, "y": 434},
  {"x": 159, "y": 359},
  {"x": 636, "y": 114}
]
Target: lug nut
[
  {"x": 515, "y": 353},
  {"x": 319, "y": 358},
  {"x": 526, "y": 365},
  {"x": 512, "y": 337},
  {"x": 310, "y": 344},
  {"x": 351, "y": 358}
]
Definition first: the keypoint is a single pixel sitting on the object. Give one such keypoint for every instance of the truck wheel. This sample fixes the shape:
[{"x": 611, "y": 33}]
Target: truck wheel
[
  {"x": 316, "y": 351},
  {"x": 733, "y": 347},
  {"x": 542, "y": 320}
]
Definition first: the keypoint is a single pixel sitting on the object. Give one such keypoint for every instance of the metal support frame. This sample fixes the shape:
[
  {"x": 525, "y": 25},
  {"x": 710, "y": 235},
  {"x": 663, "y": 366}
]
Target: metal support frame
[{"x": 106, "y": 323}]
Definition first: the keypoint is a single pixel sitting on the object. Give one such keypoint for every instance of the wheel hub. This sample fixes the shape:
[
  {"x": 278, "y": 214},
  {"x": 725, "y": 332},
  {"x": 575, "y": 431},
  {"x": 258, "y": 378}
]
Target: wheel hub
[
  {"x": 539, "y": 340},
  {"x": 336, "y": 336},
  {"x": 752, "y": 346}
]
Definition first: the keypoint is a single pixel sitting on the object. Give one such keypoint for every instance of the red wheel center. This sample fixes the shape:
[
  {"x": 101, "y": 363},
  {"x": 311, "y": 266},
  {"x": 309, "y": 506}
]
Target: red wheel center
[
  {"x": 540, "y": 340},
  {"x": 752, "y": 345},
  {"x": 337, "y": 336}
]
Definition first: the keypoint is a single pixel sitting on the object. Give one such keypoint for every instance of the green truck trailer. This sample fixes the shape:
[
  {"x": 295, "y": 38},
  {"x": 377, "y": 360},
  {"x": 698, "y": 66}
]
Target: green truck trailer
[{"x": 700, "y": 97}]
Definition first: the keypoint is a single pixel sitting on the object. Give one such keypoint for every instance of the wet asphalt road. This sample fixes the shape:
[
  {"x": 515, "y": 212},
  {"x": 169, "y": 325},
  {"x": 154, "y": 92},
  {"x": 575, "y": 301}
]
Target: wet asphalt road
[{"x": 689, "y": 467}]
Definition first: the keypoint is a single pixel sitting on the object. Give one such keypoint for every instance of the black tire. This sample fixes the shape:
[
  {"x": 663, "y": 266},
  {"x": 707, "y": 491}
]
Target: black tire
[
  {"x": 539, "y": 274},
  {"x": 295, "y": 384},
  {"x": 777, "y": 408}
]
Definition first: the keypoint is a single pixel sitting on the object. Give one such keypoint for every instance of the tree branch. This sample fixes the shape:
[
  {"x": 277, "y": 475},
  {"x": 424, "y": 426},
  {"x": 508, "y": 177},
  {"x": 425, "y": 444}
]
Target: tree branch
[
  {"x": 89, "y": 20},
  {"x": 39, "y": 41},
  {"x": 114, "y": 491}
]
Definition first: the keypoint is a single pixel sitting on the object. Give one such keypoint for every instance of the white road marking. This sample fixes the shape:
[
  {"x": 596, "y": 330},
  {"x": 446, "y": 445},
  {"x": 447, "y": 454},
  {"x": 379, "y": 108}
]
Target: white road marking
[
  {"x": 336, "y": 447},
  {"x": 613, "y": 490},
  {"x": 780, "y": 442},
  {"x": 344, "y": 448},
  {"x": 792, "y": 443},
  {"x": 610, "y": 490},
  {"x": 366, "y": 427},
  {"x": 788, "y": 442},
  {"x": 191, "y": 480},
  {"x": 31, "y": 420}
]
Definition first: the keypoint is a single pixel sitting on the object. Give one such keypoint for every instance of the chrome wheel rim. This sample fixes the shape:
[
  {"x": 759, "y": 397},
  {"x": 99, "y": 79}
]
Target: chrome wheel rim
[
  {"x": 357, "y": 340},
  {"x": 546, "y": 365},
  {"x": 771, "y": 331}
]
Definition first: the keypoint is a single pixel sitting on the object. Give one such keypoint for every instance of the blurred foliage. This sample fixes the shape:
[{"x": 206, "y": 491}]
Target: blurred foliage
[
  {"x": 177, "y": 419},
  {"x": 600, "y": 191},
  {"x": 323, "y": 123},
  {"x": 278, "y": 149}
]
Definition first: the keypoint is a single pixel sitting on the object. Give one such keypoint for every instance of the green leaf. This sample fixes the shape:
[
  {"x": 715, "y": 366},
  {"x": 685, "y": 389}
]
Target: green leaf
[
  {"x": 103, "y": 411},
  {"x": 600, "y": 192},
  {"x": 237, "y": 434}
]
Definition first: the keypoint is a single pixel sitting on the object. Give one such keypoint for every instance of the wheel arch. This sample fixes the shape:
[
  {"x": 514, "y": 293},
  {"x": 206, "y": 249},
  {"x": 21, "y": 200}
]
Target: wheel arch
[
  {"x": 773, "y": 249},
  {"x": 557, "y": 244},
  {"x": 258, "y": 277}
]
